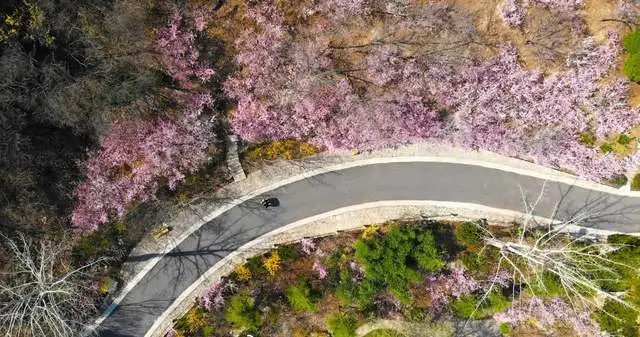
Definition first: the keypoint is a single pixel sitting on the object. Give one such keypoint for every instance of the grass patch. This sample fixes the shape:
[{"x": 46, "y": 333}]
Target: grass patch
[
  {"x": 384, "y": 333},
  {"x": 342, "y": 325},
  {"x": 635, "y": 182}
]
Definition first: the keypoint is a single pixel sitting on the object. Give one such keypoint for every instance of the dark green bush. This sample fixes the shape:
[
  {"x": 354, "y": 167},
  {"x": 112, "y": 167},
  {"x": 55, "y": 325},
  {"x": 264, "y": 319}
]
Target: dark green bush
[
  {"x": 341, "y": 325},
  {"x": 635, "y": 183},
  {"x": 398, "y": 258},
  {"x": 287, "y": 252},
  {"x": 623, "y": 239},
  {"x": 469, "y": 234},
  {"x": 300, "y": 297},
  {"x": 241, "y": 311},
  {"x": 623, "y": 322},
  {"x": 631, "y": 42},
  {"x": 255, "y": 265}
]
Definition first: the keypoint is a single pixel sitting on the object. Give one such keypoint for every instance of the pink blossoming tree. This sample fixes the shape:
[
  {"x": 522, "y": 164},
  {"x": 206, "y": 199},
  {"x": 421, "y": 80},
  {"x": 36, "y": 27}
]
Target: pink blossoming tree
[
  {"x": 176, "y": 45},
  {"x": 133, "y": 156}
]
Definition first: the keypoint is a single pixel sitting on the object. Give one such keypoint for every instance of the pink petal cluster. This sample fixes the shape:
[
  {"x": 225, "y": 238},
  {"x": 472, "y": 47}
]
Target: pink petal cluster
[
  {"x": 321, "y": 269},
  {"x": 171, "y": 332},
  {"x": 179, "y": 54},
  {"x": 454, "y": 284},
  {"x": 133, "y": 155},
  {"x": 307, "y": 246},
  {"x": 548, "y": 313},
  {"x": 212, "y": 298},
  {"x": 513, "y": 11},
  {"x": 628, "y": 10}
]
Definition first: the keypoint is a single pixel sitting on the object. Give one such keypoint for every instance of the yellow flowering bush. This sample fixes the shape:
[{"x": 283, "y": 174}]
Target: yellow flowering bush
[
  {"x": 286, "y": 149},
  {"x": 272, "y": 263}
]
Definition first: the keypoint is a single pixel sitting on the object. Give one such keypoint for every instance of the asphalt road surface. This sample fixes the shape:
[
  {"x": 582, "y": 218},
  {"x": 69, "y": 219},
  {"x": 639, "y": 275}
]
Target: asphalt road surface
[{"x": 394, "y": 181}]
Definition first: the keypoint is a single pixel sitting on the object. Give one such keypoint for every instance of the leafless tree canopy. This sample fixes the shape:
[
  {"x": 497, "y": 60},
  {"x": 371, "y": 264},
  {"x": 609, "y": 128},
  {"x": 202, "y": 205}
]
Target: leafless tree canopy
[
  {"x": 41, "y": 295},
  {"x": 547, "y": 248}
]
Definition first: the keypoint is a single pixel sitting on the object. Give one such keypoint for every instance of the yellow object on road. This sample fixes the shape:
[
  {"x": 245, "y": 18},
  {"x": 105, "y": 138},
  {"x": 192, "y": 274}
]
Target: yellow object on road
[{"x": 162, "y": 231}]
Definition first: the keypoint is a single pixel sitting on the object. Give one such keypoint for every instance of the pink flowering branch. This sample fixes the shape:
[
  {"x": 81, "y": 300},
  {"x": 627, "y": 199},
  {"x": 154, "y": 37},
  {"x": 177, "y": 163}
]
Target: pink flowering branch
[{"x": 547, "y": 314}]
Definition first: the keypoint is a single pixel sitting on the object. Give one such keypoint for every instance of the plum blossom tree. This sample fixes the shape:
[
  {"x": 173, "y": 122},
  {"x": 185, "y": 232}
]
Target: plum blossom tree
[
  {"x": 176, "y": 45},
  {"x": 134, "y": 155}
]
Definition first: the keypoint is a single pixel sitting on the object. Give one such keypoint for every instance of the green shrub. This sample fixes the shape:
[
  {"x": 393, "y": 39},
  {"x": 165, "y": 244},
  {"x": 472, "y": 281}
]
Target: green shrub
[
  {"x": 360, "y": 294},
  {"x": 617, "y": 181},
  {"x": 623, "y": 322},
  {"x": 606, "y": 148},
  {"x": 395, "y": 260},
  {"x": 342, "y": 325},
  {"x": 588, "y": 139},
  {"x": 241, "y": 311},
  {"x": 631, "y": 67},
  {"x": 504, "y": 328},
  {"x": 469, "y": 234},
  {"x": 465, "y": 306},
  {"x": 624, "y": 139},
  {"x": 472, "y": 261},
  {"x": 287, "y": 252},
  {"x": 631, "y": 42},
  {"x": 300, "y": 297},
  {"x": 208, "y": 331},
  {"x": 255, "y": 265},
  {"x": 635, "y": 182}
]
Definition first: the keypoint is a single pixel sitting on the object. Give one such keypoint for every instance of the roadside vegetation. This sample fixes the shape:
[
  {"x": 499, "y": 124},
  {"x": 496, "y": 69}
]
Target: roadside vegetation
[{"x": 431, "y": 274}]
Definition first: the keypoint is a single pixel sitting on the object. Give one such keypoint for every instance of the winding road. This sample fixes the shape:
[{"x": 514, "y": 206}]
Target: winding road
[{"x": 177, "y": 270}]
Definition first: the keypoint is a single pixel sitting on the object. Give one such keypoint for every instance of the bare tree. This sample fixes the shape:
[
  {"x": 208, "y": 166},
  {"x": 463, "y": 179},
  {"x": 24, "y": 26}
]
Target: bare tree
[
  {"x": 41, "y": 295},
  {"x": 541, "y": 248}
]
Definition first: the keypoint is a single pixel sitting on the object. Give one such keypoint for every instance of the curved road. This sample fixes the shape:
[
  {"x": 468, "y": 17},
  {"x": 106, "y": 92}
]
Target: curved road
[{"x": 322, "y": 193}]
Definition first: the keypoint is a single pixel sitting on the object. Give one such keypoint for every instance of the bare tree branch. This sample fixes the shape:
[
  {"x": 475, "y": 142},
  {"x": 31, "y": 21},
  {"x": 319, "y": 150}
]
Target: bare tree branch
[{"x": 41, "y": 296}]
